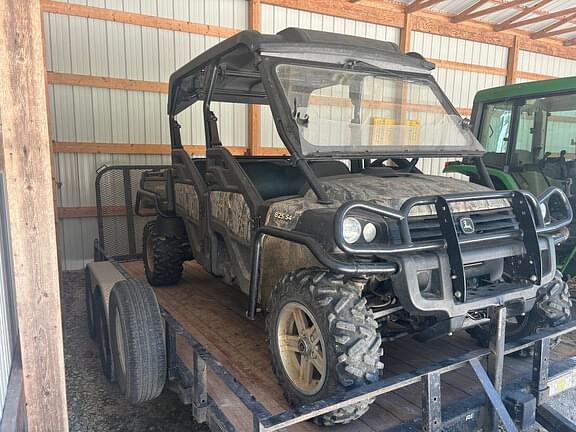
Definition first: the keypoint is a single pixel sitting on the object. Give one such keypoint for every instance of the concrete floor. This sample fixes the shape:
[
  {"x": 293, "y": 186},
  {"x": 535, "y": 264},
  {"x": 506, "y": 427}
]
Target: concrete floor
[{"x": 95, "y": 405}]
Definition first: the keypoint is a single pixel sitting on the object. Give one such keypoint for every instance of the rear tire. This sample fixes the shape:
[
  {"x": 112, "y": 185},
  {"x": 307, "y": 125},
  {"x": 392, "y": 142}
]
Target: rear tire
[
  {"x": 163, "y": 256},
  {"x": 323, "y": 340},
  {"x": 553, "y": 307},
  {"x": 137, "y": 341},
  {"x": 103, "y": 336}
]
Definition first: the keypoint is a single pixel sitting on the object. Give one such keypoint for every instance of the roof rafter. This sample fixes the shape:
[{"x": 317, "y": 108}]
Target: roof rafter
[
  {"x": 417, "y": 5},
  {"x": 469, "y": 14},
  {"x": 548, "y": 31},
  {"x": 570, "y": 42},
  {"x": 561, "y": 13},
  {"x": 504, "y": 25}
]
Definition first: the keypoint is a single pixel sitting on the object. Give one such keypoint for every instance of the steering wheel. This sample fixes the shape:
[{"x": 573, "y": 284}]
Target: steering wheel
[{"x": 403, "y": 165}]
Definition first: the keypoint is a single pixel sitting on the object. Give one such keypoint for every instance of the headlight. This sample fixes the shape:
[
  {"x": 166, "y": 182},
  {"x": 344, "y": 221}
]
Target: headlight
[
  {"x": 351, "y": 230},
  {"x": 543, "y": 210},
  {"x": 369, "y": 232}
]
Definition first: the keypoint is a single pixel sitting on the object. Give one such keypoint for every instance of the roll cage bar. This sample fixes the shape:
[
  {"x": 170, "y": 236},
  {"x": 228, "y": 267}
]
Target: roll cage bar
[{"x": 261, "y": 73}]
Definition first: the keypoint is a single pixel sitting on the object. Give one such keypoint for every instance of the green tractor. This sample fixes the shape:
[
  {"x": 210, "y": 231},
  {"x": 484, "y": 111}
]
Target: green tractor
[{"x": 529, "y": 132}]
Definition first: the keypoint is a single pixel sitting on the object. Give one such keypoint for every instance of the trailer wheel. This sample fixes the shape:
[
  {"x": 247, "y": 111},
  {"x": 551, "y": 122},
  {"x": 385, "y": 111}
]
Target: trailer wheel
[
  {"x": 553, "y": 307},
  {"x": 163, "y": 256},
  {"x": 89, "y": 304},
  {"x": 137, "y": 341},
  {"x": 323, "y": 340},
  {"x": 103, "y": 336}
]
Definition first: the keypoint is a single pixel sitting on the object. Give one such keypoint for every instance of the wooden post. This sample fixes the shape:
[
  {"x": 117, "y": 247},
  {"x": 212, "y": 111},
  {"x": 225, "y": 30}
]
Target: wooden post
[
  {"x": 26, "y": 161},
  {"x": 406, "y": 34},
  {"x": 512, "y": 68},
  {"x": 254, "y": 110}
]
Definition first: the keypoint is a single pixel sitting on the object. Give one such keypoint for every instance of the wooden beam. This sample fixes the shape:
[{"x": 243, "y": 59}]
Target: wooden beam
[
  {"x": 504, "y": 25},
  {"x": 443, "y": 26},
  {"x": 560, "y": 13},
  {"x": 135, "y": 19},
  {"x": 254, "y": 114},
  {"x": 465, "y": 16},
  {"x": 512, "y": 66},
  {"x": 549, "y": 30},
  {"x": 570, "y": 42},
  {"x": 106, "y": 82},
  {"x": 26, "y": 161},
  {"x": 390, "y": 16},
  {"x": 152, "y": 149},
  {"x": 534, "y": 76},
  {"x": 447, "y": 64},
  {"x": 417, "y": 5},
  {"x": 406, "y": 34}
]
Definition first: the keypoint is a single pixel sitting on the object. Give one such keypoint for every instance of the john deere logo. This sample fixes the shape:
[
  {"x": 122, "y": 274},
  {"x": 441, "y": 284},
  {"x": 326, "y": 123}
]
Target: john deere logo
[{"x": 467, "y": 225}]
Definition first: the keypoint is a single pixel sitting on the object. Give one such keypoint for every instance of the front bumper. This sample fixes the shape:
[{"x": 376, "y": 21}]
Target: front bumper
[{"x": 527, "y": 252}]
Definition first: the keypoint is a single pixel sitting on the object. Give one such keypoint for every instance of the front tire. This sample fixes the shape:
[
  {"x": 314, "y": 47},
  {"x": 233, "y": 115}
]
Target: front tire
[
  {"x": 323, "y": 340},
  {"x": 553, "y": 307}
]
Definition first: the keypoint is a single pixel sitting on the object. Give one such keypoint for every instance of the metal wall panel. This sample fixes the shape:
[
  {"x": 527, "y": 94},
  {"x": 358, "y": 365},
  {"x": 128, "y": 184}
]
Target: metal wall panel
[
  {"x": 82, "y": 114},
  {"x": 8, "y": 327},
  {"x": 545, "y": 64}
]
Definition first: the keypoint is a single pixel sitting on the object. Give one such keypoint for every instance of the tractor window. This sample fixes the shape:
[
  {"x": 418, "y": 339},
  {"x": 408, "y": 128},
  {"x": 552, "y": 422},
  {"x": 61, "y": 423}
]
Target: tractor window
[
  {"x": 546, "y": 129},
  {"x": 495, "y": 128}
]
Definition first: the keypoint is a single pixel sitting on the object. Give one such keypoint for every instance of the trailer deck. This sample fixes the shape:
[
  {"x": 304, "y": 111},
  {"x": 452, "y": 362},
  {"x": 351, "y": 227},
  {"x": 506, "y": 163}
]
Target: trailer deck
[{"x": 215, "y": 314}]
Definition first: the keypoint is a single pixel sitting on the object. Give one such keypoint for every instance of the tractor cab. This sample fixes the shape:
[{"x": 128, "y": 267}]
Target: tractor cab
[{"x": 529, "y": 133}]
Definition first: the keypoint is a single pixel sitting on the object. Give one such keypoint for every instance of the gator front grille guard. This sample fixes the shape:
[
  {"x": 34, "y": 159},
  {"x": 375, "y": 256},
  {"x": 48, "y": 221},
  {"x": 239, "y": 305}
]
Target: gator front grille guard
[{"x": 525, "y": 207}]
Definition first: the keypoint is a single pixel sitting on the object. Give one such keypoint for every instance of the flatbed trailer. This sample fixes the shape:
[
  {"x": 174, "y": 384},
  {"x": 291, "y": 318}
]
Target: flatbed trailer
[{"x": 219, "y": 363}]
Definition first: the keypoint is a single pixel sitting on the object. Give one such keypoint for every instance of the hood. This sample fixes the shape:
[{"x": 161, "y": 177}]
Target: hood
[{"x": 394, "y": 191}]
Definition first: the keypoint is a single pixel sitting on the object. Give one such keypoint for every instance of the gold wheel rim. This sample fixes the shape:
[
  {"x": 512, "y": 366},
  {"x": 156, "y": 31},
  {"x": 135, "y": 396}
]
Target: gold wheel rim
[{"x": 301, "y": 348}]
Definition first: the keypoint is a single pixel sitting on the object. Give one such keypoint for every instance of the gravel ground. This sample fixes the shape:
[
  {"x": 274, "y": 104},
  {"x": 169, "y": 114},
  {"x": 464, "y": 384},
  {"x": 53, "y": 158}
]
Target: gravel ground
[{"x": 95, "y": 405}]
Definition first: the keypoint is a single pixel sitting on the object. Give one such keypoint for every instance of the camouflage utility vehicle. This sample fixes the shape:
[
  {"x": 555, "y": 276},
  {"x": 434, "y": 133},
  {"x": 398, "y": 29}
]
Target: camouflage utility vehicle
[{"x": 344, "y": 244}]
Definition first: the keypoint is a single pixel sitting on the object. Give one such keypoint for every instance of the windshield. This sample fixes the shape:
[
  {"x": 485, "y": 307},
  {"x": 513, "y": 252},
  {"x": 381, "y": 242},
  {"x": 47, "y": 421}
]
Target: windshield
[{"x": 352, "y": 112}]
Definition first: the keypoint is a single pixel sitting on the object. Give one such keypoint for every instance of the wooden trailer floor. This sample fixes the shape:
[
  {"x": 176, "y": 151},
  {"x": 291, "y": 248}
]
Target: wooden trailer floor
[{"x": 214, "y": 313}]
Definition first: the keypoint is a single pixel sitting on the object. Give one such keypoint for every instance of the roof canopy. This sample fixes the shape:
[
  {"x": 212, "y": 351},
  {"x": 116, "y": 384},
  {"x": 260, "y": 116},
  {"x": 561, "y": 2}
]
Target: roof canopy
[
  {"x": 530, "y": 89},
  {"x": 238, "y": 56}
]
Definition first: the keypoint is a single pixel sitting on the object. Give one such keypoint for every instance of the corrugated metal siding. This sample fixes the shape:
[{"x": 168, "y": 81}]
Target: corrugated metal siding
[
  {"x": 545, "y": 64},
  {"x": 8, "y": 326},
  {"x": 82, "y": 114}
]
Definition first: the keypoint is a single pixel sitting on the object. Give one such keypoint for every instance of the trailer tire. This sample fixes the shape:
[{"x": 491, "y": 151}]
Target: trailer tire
[
  {"x": 89, "y": 298},
  {"x": 163, "y": 256},
  {"x": 103, "y": 336},
  {"x": 350, "y": 343},
  {"x": 137, "y": 341},
  {"x": 552, "y": 308}
]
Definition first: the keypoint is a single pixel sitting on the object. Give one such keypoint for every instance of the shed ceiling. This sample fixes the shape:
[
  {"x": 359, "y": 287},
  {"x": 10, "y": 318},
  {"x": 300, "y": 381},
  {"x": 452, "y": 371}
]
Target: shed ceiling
[{"x": 540, "y": 18}]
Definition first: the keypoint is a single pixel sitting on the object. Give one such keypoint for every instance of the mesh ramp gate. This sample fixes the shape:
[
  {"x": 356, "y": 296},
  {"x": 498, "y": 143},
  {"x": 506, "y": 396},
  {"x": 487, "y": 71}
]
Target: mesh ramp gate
[{"x": 119, "y": 228}]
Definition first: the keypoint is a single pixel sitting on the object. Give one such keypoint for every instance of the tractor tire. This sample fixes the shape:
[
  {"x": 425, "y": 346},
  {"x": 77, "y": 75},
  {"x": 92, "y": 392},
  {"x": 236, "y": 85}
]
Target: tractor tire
[
  {"x": 323, "y": 340},
  {"x": 137, "y": 341},
  {"x": 103, "y": 336},
  {"x": 553, "y": 307},
  {"x": 90, "y": 320},
  {"x": 163, "y": 256}
]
